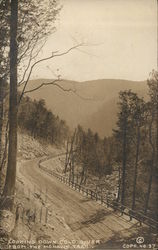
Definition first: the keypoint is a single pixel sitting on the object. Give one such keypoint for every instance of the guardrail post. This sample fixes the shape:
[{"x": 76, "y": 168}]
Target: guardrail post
[
  {"x": 138, "y": 216},
  {"x": 91, "y": 194},
  {"x": 130, "y": 217},
  {"x": 41, "y": 215},
  {"x": 122, "y": 212},
  {"x": 29, "y": 193},
  {"x": 46, "y": 196},
  {"x": 101, "y": 198},
  {"x": 46, "y": 218},
  {"x": 34, "y": 214},
  {"x": 17, "y": 213},
  {"x": 107, "y": 201},
  {"x": 23, "y": 213},
  {"x": 77, "y": 178}
]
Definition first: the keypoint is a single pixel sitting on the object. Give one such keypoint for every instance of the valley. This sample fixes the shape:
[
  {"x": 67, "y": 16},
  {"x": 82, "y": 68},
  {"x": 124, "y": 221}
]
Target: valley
[{"x": 92, "y": 104}]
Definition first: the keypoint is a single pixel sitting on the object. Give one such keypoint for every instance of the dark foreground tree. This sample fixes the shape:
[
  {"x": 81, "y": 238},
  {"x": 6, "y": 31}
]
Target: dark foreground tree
[
  {"x": 29, "y": 25},
  {"x": 122, "y": 135},
  {"x": 9, "y": 188},
  {"x": 138, "y": 113},
  {"x": 152, "y": 191}
]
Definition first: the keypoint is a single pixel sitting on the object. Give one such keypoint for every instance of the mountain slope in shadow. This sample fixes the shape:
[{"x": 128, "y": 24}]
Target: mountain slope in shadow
[{"x": 91, "y": 103}]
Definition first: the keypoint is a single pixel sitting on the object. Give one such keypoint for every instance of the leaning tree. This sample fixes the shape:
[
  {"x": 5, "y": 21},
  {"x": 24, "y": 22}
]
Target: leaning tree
[{"x": 27, "y": 26}]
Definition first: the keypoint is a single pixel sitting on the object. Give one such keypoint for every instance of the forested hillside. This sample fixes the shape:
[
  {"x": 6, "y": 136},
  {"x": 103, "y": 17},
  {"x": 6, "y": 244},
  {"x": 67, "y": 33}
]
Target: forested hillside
[
  {"x": 132, "y": 151},
  {"x": 41, "y": 123},
  {"x": 91, "y": 154}
]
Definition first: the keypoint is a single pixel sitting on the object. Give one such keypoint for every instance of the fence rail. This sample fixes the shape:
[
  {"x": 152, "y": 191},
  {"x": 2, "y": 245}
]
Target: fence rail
[
  {"x": 140, "y": 217},
  {"x": 30, "y": 211}
]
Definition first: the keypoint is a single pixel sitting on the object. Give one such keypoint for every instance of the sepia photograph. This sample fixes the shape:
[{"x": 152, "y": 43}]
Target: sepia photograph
[{"x": 79, "y": 124}]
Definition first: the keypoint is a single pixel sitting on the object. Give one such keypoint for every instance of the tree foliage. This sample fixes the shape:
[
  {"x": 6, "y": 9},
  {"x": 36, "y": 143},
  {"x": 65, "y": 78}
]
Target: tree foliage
[
  {"x": 91, "y": 155},
  {"x": 36, "y": 21},
  {"x": 24, "y": 28},
  {"x": 136, "y": 136},
  {"x": 41, "y": 123}
]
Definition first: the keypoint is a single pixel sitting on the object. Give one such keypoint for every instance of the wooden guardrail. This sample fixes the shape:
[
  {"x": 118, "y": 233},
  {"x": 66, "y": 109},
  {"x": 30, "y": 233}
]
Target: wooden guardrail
[{"x": 140, "y": 217}]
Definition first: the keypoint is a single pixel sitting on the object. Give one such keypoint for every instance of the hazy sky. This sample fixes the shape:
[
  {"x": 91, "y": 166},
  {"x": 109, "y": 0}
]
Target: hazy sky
[{"x": 121, "y": 37}]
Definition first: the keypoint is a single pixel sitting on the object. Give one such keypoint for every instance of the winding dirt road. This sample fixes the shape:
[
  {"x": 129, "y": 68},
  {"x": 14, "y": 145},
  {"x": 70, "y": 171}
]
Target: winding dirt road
[{"x": 78, "y": 216}]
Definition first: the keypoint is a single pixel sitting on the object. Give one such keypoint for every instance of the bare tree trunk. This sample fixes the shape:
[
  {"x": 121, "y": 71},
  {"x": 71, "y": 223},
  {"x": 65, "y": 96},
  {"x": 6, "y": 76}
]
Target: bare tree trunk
[
  {"x": 1, "y": 131},
  {"x": 83, "y": 174},
  {"x": 3, "y": 90},
  {"x": 66, "y": 159},
  {"x": 119, "y": 184},
  {"x": 136, "y": 167},
  {"x": 1, "y": 115},
  {"x": 85, "y": 177},
  {"x": 9, "y": 188},
  {"x": 70, "y": 170},
  {"x": 149, "y": 188},
  {"x": 72, "y": 167},
  {"x": 151, "y": 167},
  {"x": 4, "y": 157},
  {"x": 124, "y": 162},
  {"x": 70, "y": 152},
  {"x": 157, "y": 135},
  {"x": 156, "y": 165}
]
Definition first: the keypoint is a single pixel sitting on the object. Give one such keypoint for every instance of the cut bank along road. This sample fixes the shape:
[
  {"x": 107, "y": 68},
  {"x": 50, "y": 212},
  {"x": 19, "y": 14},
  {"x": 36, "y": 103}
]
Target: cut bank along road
[{"x": 80, "y": 217}]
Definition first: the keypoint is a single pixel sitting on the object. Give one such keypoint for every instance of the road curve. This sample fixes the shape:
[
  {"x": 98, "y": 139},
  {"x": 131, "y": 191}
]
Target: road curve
[{"x": 83, "y": 218}]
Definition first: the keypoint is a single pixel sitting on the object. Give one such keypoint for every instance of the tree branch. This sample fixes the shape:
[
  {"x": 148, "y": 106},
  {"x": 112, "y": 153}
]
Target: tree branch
[
  {"x": 54, "y": 83},
  {"x": 50, "y": 83},
  {"x": 54, "y": 54},
  {"x": 29, "y": 62}
]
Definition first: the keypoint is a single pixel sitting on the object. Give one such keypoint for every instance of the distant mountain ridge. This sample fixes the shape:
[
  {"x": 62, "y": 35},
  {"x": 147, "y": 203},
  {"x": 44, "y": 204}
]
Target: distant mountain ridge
[{"x": 91, "y": 103}]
